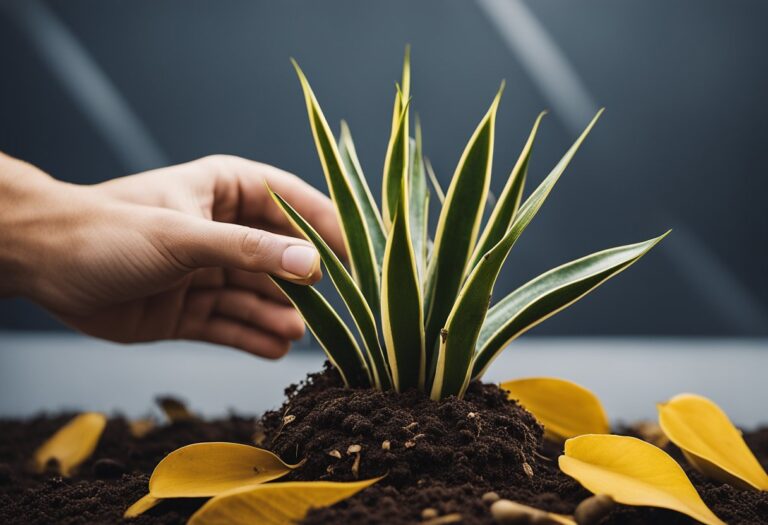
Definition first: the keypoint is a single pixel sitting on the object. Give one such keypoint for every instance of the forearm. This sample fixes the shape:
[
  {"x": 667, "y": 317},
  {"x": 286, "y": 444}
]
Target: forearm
[{"x": 32, "y": 206}]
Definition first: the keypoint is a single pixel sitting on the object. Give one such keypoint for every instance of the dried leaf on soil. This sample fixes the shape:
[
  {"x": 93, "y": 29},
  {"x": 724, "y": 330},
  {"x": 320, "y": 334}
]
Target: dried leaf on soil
[
  {"x": 710, "y": 442},
  {"x": 633, "y": 472},
  {"x": 275, "y": 503},
  {"x": 566, "y": 409},
  {"x": 208, "y": 469},
  {"x": 72, "y": 444}
]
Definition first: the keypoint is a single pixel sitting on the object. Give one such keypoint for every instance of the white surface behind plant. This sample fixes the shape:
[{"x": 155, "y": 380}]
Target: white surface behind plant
[{"x": 54, "y": 371}]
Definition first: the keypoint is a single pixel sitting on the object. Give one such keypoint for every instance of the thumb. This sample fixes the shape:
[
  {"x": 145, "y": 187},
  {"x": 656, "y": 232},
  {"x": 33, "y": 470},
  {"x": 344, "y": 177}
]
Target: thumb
[{"x": 205, "y": 243}]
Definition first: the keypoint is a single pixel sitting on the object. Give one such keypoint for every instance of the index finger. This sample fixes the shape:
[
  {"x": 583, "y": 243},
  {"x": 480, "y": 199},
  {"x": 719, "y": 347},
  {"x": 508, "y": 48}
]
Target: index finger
[{"x": 255, "y": 202}]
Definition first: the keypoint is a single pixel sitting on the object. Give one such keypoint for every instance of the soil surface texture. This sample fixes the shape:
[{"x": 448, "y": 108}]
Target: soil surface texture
[{"x": 439, "y": 458}]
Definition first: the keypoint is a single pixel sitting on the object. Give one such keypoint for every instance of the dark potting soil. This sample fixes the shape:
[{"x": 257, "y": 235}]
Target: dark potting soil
[{"x": 436, "y": 455}]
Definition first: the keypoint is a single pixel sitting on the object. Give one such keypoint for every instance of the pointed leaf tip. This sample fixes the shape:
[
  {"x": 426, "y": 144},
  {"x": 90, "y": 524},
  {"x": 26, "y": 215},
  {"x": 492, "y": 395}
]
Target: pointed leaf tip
[
  {"x": 633, "y": 472},
  {"x": 141, "y": 506},
  {"x": 565, "y": 408},
  {"x": 710, "y": 442}
]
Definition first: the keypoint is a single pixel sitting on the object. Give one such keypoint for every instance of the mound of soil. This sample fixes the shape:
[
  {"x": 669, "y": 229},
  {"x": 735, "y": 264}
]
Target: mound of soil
[{"x": 438, "y": 457}]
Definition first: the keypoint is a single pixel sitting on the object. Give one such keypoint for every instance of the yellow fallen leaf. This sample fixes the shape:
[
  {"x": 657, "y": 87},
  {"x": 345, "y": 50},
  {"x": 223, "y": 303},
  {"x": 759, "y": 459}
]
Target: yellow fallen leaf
[
  {"x": 564, "y": 408},
  {"x": 207, "y": 469},
  {"x": 141, "y": 506},
  {"x": 72, "y": 444},
  {"x": 633, "y": 472},
  {"x": 710, "y": 442},
  {"x": 274, "y": 503}
]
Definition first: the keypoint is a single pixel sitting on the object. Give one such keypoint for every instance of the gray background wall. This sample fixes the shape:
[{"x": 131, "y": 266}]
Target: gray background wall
[{"x": 682, "y": 144}]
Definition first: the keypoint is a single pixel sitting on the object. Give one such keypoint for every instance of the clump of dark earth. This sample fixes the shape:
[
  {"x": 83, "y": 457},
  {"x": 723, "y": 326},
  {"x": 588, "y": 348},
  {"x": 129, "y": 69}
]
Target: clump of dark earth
[{"x": 441, "y": 457}]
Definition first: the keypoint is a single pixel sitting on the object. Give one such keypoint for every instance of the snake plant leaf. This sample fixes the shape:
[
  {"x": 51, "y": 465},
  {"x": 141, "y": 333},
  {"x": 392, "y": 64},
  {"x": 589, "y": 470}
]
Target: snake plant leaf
[
  {"x": 462, "y": 328},
  {"x": 203, "y": 470},
  {"x": 275, "y": 503},
  {"x": 396, "y": 163},
  {"x": 433, "y": 180},
  {"x": 72, "y": 444},
  {"x": 458, "y": 226},
  {"x": 401, "y": 310},
  {"x": 362, "y": 192},
  {"x": 548, "y": 294},
  {"x": 330, "y": 331},
  {"x": 357, "y": 237},
  {"x": 633, "y": 472},
  {"x": 404, "y": 88},
  {"x": 509, "y": 201},
  {"x": 710, "y": 442},
  {"x": 418, "y": 206},
  {"x": 141, "y": 506},
  {"x": 349, "y": 292},
  {"x": 565, "y": 408}
]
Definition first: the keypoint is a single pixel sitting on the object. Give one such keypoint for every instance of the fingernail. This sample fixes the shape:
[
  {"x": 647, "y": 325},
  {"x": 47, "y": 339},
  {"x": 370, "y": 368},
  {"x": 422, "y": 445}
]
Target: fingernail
[{"x": 300, "y": 261}]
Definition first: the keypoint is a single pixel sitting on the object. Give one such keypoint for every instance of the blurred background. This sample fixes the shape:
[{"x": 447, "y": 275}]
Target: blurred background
[
  {"x": 92, "y": 90},
  {"x": 95, "y": 89}
]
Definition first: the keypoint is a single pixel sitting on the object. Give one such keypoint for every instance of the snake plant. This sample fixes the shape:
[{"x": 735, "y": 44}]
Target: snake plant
[{"x": 421, "y": 307}]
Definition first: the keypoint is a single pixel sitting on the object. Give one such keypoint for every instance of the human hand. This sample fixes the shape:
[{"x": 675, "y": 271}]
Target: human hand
[{"x": 176, "y": 253}]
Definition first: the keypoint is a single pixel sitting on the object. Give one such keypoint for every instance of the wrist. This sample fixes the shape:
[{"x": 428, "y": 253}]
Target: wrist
[{"x": 32, "y": 207}]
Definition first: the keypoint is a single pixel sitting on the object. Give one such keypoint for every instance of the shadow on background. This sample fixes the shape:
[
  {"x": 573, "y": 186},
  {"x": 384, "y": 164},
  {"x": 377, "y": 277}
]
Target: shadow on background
[{"x": 92, "y": 90}]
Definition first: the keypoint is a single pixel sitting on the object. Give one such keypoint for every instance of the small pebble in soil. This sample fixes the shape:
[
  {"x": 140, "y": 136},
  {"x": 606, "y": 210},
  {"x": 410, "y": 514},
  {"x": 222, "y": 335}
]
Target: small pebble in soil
[
  {"x": 106, "y": 468},
  {"x": 507, "y": 512},
  {"x": 593, "y": 509},
  {"x": 490, "y": 497},
  {"x": 429, "y": 513},
  {"x": 386, "y": 445},
  {"x": 444, "y": 520},
  {"x": 528, "y": 470}
]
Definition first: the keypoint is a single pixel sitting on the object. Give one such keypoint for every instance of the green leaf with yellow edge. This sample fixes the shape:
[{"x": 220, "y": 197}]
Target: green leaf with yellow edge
[
  {"x": 633, "y": 472},
  {"x": 331, "y": 333},
  {"x": 458, "y": 226},
  {"x": 433, "y": 180},
  {"x": 509, "y": 201},
  {"x": 348, "y": 290},
  {"x": 467, "y": 314},
  {"x": 357, "y": 238},
  {"x": 203, "y": 470},
  {"x": 710, "y": 442},
  {"x": 565, "y": 408},
  {"x": 396, "y": 159},
  {"x": 396, "y": 163},
  {"x": 360, "y": 187},
  {"x": 71, "y": 444},
  {"x": 418, "y": 205},
  {"x": 141, "y": 506},
  {"x": 548, "y": 294},
  {"x": 275, "y": 503},
  {"x": 402, "y": 316}
]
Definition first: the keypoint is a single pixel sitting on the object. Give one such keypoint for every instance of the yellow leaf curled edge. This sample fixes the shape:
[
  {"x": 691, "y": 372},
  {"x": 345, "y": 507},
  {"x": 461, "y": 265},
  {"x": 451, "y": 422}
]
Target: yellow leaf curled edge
[
  {"x": 72, "y": 444},
  {"x": 203, "y": 470},
  {"x": 710, "y": 442},
  {"x": 633, "y": 472},
  {"x": 274, "y": 503},
  {"x": 565, "y": 408}
]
